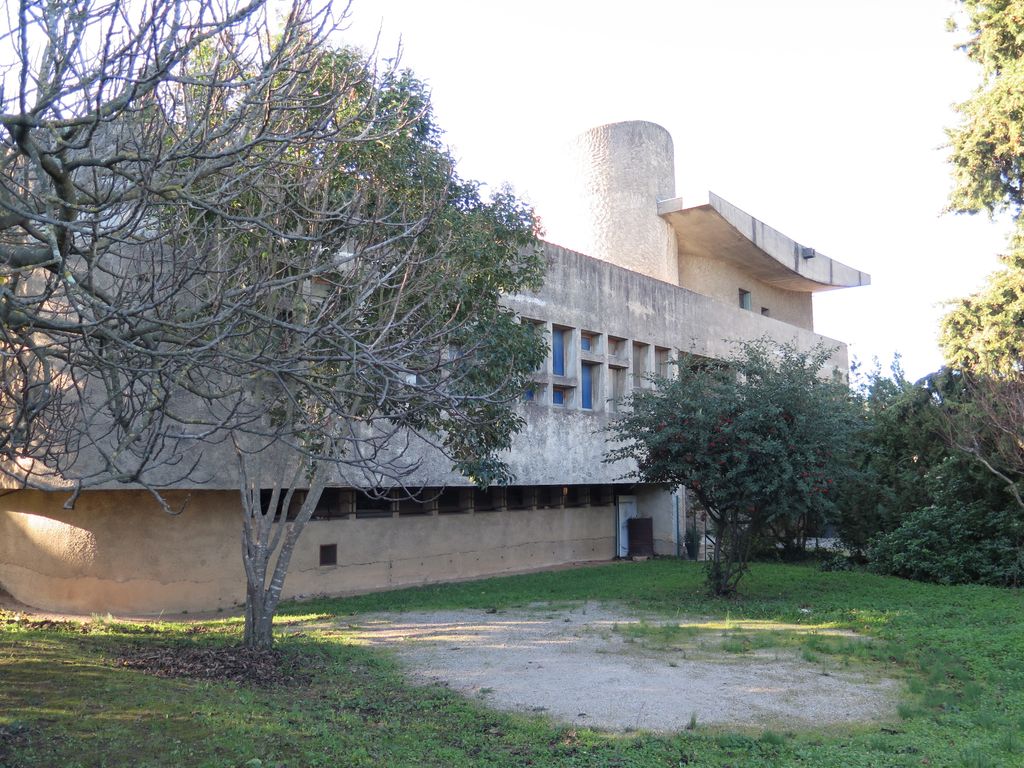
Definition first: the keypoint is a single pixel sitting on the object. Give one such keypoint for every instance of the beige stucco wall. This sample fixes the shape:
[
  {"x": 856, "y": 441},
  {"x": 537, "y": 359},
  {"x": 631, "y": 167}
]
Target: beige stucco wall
[
  {"x": 118, "y": 552},
  {"x": 722, "y": 280}
]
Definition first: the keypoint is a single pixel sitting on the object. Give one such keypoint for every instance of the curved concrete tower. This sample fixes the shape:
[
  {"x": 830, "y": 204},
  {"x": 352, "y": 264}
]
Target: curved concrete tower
[{"x": 620, "y": 172}]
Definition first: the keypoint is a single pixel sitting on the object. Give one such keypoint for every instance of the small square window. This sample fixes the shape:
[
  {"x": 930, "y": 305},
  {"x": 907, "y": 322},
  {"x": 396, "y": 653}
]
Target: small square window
[
  {"x": 559, "y": 396},
  {"x": 764, "y": 311},
  {"x": 328, "y": 554},
  {"x": 744, "y": 299}
]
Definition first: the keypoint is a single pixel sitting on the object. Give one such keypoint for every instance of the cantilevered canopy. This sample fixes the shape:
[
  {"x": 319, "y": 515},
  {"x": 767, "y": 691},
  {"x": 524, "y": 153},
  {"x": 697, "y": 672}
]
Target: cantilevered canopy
[{"x": 720, "y": 230}]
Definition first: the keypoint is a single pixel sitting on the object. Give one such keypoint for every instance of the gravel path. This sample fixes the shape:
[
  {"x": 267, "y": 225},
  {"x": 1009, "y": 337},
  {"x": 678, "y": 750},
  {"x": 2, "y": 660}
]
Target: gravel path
[{"x": 572, "y": 665}]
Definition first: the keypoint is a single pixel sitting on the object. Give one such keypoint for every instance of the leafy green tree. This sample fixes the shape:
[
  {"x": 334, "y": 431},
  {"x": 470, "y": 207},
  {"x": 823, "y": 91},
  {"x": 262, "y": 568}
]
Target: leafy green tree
[
  {"x": 987, "y": 155},
  {"x": 902, "y": 442},
  {"x": 760, "y": 439},
  {"x": 983, "y": 332}
]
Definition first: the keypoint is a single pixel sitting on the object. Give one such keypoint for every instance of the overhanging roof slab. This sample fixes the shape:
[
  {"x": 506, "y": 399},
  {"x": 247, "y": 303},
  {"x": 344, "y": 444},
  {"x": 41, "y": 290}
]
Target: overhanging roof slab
[{"x": 720, "y": 230}]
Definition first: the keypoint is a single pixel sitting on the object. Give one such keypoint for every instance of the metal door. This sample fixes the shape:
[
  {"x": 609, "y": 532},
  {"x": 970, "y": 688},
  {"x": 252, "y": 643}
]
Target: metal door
[{"x": 625, "y": 509}]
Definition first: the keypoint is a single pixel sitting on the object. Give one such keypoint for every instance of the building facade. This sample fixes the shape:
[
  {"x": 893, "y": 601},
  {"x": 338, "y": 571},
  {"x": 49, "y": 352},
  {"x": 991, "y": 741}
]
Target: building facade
[{"x": 640, "y": 280}]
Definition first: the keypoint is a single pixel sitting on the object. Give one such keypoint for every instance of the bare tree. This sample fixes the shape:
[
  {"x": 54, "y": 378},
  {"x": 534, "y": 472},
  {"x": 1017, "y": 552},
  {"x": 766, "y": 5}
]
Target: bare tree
[
  {"x": 987, "y": 422},
  {"x": 218, "y": 235}
]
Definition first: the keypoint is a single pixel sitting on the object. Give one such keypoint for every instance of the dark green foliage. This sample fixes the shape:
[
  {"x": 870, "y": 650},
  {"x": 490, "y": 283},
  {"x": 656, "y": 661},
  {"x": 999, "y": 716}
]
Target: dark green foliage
[
  {"x": 918, "y": 506},
  {"x": 760, "y": 439},
  {"x": 901, "y": 444},
  {"x": 983, "y": 332},
  {"x": 987, "y": 153},
  {"x": 969, "y": 534},
  {"x": 956, "y": 544}
]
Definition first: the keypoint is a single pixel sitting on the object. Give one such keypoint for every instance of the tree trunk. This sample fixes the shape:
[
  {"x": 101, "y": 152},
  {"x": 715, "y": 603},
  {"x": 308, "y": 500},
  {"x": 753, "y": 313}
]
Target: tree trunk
[{"x": 268, "y": 540}]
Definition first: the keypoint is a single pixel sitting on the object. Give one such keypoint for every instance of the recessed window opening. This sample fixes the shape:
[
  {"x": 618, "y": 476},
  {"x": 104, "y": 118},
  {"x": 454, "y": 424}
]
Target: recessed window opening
[
  {"x": 333, "y": 503},
  {"x": 412, "y": 505},
  {"x": 765, "y": 312},
  {"x": 558, "y": 351},
  {"x": 601, "y": 495},
  {"x": 551, "y": 496},
  {"x": 450, "y": 502},
  {"x": 744, "y": 299},
  {"x": 266, "y": 494},
  {"x": 560, "y": 396},
  {"x": 373, "y": 504},
  {"x": 639, "y": 364},
  {"x": 578, "y": 496},
  {"x": 486, "y": 501},
  {"x": 618, "y": 387},
  {"x": 328, "y": 554},
  {"x": 662, "y": 357},
  {"x": 519, "y": 497},
  {"x": 587, "y": 381}
]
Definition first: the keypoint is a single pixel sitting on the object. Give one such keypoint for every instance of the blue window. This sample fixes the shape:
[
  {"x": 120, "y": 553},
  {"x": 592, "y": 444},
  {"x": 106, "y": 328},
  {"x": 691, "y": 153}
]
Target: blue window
[
  {"x": 558, "y": 352},
  {"x": 587, "y": 388},
  {"x": 529, "y": 394},
  {"x": 558, "y": 396},
  {"x": 586, "y": 342}
]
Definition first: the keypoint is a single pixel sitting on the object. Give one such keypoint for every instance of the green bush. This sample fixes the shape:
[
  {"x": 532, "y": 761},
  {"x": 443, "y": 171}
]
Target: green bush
[{"x": 953, "y": 543}]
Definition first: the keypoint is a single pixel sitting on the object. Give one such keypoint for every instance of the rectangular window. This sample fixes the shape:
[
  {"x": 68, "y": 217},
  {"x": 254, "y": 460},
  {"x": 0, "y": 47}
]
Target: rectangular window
[
  {"x": 587, "y": 377},
  {"x": 618, "y": 385},
  {"x": 616, "y": 346},
  {"x": 328, "y": 554},
  {"x": 451, "y": 501},
  {"x": 519, "y": 497},
  {"x": 373, "y": 504},
  {"x": 487, "y": 501},
  {"x": 586, "y": 342},
  {"x": 639, "y": 364},
  {"x": 530, "y": 394},
  {"x": 550, "y": 496},
  {"x": 744, "y": 299},
  {"x": 558, "y": 351},
  {"x": 333, "y": 503},
  {"x": 578, "y": 496},
  {"x": 559, "y": 396},
  {"x": 411, "y": 505},
  {"x": 764, "y": 311},
  {"x": 662, "y": 357}
]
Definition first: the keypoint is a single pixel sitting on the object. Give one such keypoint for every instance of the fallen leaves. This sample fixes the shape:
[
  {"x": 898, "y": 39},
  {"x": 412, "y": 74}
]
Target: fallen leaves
[{"x": 234, "y": 663}]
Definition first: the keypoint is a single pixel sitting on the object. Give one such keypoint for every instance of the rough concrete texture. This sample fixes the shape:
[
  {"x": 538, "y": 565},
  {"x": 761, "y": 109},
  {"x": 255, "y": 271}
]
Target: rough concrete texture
[
  {"x": 618, "y": 173},
  {"x": 572, "y": 665},
  {"x": 118, "y": 552}
]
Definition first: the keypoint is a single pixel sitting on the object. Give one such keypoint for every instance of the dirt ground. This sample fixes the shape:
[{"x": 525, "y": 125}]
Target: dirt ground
[{"x": 577, "y": 666}]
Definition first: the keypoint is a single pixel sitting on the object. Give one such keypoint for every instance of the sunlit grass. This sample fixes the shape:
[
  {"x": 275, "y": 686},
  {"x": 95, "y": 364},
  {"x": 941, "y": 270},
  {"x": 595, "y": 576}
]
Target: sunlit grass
[{"x": 958, "y": 650}]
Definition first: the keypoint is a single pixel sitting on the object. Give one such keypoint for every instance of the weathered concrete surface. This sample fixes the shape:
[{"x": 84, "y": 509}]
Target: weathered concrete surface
[
  {"x": 118, "y": 552},
  {"x": 608, "y": 208}
]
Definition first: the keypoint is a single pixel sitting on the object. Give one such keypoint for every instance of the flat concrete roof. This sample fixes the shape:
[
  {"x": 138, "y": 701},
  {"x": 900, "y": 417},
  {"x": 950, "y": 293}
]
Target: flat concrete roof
[{"x": 720, "y": 230}]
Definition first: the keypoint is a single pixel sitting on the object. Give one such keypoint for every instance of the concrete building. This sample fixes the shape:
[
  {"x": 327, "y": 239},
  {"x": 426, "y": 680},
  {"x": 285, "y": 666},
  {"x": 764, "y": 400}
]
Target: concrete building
[{"x": 649, "y": 279}]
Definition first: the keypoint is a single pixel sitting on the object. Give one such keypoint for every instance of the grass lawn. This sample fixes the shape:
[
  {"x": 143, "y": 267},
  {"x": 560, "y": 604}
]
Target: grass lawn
[{"x": 958, "y": 650}]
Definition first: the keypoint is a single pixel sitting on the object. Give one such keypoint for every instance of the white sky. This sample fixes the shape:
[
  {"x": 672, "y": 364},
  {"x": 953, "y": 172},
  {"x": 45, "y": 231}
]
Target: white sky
[{"x": 823, "y": 119}]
